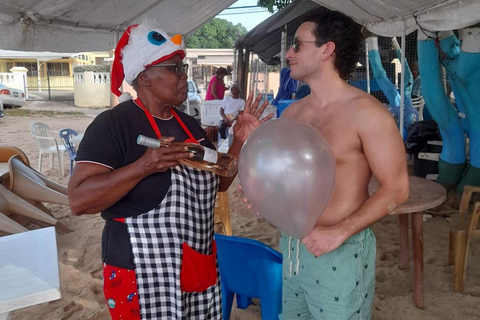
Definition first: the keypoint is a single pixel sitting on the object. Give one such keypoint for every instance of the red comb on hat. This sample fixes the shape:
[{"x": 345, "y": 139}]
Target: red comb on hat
[{"x": 117, "y": 68}]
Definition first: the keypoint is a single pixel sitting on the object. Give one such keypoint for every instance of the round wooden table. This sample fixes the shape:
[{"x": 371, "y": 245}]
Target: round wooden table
[{"x": 423, "y": 195}]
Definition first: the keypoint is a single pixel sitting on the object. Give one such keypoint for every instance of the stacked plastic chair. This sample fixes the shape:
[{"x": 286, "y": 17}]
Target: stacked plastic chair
[{"x": 22, "y": 192}]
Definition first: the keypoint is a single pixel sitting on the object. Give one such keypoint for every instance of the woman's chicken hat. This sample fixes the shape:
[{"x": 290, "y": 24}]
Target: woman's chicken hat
[{"x": 140, "y": 47}]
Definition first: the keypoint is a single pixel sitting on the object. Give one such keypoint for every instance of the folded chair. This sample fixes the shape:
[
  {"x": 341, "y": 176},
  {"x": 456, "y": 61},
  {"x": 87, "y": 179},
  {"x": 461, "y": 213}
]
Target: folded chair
[
  {"x": 221, "y": 215},
  {"x": 11, "y": 205},
  {"x": 249, "y": 269},
  {"x": 47, "y": 145},
  {"x": 7, "y": 151},
  {"x": 462, "y": 229},
  {"x": 8, "y": 225},
  {"x": 66, "y": 135},
  {"x": 33, "y": 186}
]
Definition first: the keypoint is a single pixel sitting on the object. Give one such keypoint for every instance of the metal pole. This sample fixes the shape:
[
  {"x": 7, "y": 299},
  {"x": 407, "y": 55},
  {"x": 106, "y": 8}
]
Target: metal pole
[
  {"x": 367, "y": 62},
  {"x": 48, "y": 84},
  {"x": 38, "y": 77},
  {"x": 402, "y": 85},
  {"x": 283, "y": 48}
]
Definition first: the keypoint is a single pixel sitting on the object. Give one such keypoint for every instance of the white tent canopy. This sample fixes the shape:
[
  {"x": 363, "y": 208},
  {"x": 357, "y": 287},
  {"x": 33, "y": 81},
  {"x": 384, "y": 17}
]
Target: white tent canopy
[
  {"x": 94, "y": 25},
  {"x": 75, "y": 25},
  {"x": 394, "y": 17}
]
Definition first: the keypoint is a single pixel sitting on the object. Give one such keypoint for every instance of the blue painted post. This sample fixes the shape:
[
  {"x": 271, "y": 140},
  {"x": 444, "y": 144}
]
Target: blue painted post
[
  {"x": 468, "y": 72},
  {"x": 453, "y": 156}
]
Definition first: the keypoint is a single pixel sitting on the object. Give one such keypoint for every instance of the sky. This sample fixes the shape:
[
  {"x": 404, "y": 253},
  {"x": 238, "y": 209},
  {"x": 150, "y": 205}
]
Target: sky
[{"x": 248, "y": 17}]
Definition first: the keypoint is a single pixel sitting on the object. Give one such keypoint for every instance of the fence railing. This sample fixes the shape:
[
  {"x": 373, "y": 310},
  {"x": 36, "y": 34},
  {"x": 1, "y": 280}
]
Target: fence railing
[
  {"x": 94, "y": 77},
  {"x": 56, "y": 82},
  {"x": 7, "y": 78}
]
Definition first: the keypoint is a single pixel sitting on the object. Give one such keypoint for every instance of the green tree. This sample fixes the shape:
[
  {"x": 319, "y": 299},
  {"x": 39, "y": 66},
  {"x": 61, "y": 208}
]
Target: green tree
[
  {"x": 216, "y": 34},
  {"x": 271, "y": 5}
]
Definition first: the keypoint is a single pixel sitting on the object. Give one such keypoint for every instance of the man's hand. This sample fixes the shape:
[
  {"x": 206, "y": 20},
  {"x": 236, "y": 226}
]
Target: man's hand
[
  {"x": 323, "y": 240},
  {"x": 248, "y": 120}
]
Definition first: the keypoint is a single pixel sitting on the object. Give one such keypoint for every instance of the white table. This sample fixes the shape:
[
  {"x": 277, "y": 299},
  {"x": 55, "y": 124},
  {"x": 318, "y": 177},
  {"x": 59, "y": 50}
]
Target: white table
[
  {"x": 29, "y": 272},
  {"x": 76, "y": 139}
]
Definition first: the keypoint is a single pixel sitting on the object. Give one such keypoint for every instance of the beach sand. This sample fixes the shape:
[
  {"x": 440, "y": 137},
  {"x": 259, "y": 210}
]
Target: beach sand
[{"x": 81, "y": 267}]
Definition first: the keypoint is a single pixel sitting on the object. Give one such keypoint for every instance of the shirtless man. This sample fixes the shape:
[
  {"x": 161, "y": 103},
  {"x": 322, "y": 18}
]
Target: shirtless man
[{"x": 333, "y": 273}]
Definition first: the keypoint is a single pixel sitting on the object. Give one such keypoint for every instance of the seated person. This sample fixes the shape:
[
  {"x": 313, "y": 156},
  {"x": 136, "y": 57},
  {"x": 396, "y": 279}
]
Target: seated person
[{"x": 229, "y": 110}]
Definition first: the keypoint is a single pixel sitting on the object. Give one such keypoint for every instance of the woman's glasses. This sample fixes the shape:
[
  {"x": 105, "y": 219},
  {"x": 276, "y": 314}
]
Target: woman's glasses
[
  {"x": 180, "y": 68},
  {"x": 296, "y": 43}
]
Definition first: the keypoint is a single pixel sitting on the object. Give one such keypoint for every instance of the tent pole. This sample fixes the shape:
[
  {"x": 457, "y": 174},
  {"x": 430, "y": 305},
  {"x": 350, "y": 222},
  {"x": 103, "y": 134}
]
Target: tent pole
[
  {"x": 235, "y": 66},
  {"x": 283, "y": 48},
  {"x": 246, "y": 72},
  {"x": 38, "y": 76},
  {"x": 367, "y": 62},
  {"x": 402, "y": 86},
  {"x": 241, "y": 72}
]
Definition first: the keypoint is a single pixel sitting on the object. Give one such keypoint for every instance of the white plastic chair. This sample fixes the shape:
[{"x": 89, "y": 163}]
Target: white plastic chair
[
  {"x": 418, "y": 104},
  {"x": 47, "y": 145}
]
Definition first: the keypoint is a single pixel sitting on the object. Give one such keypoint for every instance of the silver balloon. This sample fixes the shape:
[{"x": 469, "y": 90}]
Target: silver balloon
[{"x": 287, "y": 172}]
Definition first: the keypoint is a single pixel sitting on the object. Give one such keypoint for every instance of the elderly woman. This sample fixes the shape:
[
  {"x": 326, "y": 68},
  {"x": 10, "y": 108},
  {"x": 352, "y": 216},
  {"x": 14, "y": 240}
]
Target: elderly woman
[{"x": 157, "y": 245}]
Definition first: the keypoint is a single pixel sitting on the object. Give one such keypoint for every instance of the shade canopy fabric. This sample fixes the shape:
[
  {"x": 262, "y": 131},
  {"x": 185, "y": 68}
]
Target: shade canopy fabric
[
  {"x": 94, "y": 25},
  {"x": 264, "y": 39},
  {"x": 390, "y": 18},
  {"x": 79, "y": 26},
  {"x": 383, "y": 17}
]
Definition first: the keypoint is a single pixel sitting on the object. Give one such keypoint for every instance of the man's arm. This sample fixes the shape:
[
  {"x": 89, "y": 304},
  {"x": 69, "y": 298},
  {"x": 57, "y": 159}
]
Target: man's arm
[
  {"x": 388, "y": 165},
  {"x": 224, "y": 117},
  {"x": 93, "y": 187}
]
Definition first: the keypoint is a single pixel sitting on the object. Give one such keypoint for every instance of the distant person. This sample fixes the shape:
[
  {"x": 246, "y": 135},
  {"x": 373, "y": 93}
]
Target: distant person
[
  {"x": 416, "y": 87},
  {"x": 229, "y": 110},
  {"x": 216, "y": 86}
]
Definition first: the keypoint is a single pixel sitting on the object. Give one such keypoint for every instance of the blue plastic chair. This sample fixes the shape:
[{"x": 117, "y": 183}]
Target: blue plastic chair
[
  {"x": 66, "y": 134},
  {"x": 249, "y": 269}
]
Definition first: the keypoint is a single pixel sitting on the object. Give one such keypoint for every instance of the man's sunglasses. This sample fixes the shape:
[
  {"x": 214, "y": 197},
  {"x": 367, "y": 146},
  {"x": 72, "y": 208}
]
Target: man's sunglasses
[
  {"x": 296, "y": 42},
  {"x": 180, "y": 68}
]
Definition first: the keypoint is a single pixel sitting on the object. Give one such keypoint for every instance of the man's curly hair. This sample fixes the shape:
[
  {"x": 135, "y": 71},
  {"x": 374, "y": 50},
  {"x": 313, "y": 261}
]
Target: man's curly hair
[{"x": 340, "y": 29}]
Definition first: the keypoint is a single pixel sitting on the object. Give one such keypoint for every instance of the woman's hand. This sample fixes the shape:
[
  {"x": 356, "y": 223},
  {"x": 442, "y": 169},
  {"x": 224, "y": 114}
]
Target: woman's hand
[
  {"x": 249, "y": 119},
  {"x": 165, "y": 157}
]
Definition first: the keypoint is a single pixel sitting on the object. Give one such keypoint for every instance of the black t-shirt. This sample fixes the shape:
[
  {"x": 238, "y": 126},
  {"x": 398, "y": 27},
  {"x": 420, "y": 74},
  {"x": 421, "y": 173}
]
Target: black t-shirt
[{"x": 111, "y": 140}]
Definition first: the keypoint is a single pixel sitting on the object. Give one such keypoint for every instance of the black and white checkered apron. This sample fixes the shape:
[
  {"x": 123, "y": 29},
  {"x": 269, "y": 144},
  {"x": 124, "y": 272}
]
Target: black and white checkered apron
[{"x": 184, "y": 215}]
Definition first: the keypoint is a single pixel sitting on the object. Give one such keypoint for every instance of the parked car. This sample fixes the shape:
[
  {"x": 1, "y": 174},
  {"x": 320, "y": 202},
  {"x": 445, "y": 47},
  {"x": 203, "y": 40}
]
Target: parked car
[
  {"x": 192, "y": 108},
  {"x": 1, "y": 109},
  {"x": 11, "y": 97}
]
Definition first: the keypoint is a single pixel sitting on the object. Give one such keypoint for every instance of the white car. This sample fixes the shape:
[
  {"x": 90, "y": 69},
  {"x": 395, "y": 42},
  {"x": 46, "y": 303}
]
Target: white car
[
  {"x": 11, "y": 97},
  {"x": 194, "y": 100}
]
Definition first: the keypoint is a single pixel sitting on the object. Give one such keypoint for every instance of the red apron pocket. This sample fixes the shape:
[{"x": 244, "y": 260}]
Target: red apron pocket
[{"x": 199, "y": 271}]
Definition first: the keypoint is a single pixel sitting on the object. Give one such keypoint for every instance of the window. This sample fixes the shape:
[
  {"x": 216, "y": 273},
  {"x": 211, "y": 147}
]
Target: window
[
  {"x": 58, "y": 69},
  {"x": 31, "y": 67}
]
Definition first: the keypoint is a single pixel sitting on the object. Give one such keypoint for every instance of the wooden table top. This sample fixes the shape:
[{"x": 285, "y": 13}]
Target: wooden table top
[{"x": 423, "y": 195}]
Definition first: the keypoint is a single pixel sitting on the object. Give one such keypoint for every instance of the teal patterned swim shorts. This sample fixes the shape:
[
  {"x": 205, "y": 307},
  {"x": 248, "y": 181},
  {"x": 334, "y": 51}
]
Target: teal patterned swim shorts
[{"x": 339, "y": 285}]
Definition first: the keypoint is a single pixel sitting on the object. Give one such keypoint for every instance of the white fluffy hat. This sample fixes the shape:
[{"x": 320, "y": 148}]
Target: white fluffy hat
[{"x": 140, "y": 47}]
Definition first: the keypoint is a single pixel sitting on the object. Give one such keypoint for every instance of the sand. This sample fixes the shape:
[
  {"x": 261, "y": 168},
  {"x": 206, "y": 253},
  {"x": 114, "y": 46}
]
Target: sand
[{"x": 81, "y": 268}]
